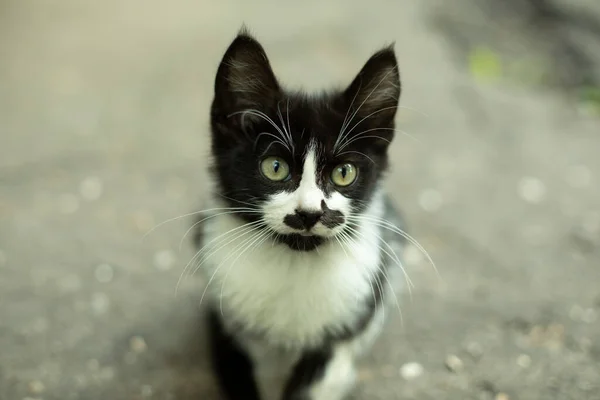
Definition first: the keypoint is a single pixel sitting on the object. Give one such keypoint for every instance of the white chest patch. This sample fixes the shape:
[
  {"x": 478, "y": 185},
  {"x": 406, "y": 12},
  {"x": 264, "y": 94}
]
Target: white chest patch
[{"x": 290, "y": 296}]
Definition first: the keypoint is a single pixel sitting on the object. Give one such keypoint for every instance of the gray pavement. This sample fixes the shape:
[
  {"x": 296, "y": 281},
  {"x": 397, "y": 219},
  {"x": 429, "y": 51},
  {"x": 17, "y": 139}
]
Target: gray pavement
[{"x": 103, "y": 135}]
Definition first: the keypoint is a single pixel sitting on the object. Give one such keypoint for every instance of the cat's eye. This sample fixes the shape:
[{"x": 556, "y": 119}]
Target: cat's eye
[
  {"x": 275, "y": 169},
  {"x": 343, "y": 174}
]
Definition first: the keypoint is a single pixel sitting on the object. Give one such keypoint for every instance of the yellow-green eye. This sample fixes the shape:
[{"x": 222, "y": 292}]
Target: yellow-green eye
[
  {"x": 275, "y": 168},
  {"x": 343, "y": 174}
]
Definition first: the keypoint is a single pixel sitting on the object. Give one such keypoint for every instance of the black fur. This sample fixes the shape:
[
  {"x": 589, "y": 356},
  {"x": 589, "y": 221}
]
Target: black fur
[
  {"x": 246, "y": 85},
  {"x": 233, "y": 368},
  {"x": 247, "y": 95}
]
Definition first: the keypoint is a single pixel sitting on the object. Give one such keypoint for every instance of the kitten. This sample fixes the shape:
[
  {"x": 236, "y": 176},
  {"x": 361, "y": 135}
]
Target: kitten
[{"x": 297, "y": 252}]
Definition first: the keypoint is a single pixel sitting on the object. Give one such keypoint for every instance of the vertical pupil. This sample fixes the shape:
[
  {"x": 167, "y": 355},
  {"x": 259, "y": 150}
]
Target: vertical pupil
[
  {"x": 275, "y": 166},
  {"x": 343, "y": 172}
]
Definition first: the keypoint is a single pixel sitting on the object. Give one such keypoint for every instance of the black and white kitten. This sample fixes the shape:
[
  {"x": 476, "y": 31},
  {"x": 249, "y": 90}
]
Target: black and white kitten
[{"x": 295, "y": 251}]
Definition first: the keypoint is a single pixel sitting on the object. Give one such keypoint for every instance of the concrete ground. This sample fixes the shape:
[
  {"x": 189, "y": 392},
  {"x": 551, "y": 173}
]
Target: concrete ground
[{"x": 103, "y": 121}]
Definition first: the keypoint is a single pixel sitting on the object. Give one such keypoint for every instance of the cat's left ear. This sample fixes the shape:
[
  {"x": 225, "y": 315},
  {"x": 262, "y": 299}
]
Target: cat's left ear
[
  {"x": 375, "y": 91},
  {"x": 245, "y": 79}
]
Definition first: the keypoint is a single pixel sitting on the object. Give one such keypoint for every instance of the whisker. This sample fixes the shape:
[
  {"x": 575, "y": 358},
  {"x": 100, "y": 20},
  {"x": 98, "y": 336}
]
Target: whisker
[
  {"x": 415, "y": 110},
  {"x": 212, "y": 216},
  {"x": 394, "y": 257},
  {"x": 344, "y": 126},
  {"x": 367, "y": 98},
  {"x": 356, "y": 152},
  {"x": 379, "y": 287},
  {"x": 262, "y": 237},
  {"x": 277, "y": 140},
  {"x": 289, "y": 136},
  {"x": 410, "y": 284},
  {"x": 223, "y": 262},
  {"x": 359, "y": 136},
  {"x": 387, "y": 225},
  {"x": 368, "y": 116},
  {"x": 254, "y": 206},
  {"x": 262, "y": 115},
  {"x": 246, "y": 228},
  {"x": 189, "y": 215}
]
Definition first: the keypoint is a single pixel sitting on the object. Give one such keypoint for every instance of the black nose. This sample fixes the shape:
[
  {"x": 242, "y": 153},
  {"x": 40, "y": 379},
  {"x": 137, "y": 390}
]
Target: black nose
[
  {"x": 303, "y": 219},
  {"x": 309, "y": 218}
]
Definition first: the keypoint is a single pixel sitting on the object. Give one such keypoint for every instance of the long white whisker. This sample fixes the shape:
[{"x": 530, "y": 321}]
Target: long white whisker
[
  {"x": 189, "y": 215},
  {"x": 360, "y": 136},
  {"x": 262, "y": 237},
  {"x": 209, "y": 217},
  {"x": 277, "y": 140},
  {"x": 387, "y": 225},
  {"x": 356, "y": 152},
  {"x": 207, "y": 255},
  {"x": 346, "y": 116},
  {"x": 394, "y": 257},
  {"x": 347, "y": 134},
  {"x": 223, "y": 262},
  {"x": 262, "y": 115},
  {"x": 245, "y": 228},
  {"x": 289, "y": 135},
  {"x": 367, "y": 98}
]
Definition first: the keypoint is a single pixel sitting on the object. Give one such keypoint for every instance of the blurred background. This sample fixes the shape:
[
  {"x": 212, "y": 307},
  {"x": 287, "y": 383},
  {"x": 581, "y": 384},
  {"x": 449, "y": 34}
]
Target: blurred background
[{"x": 104, "y": 135}]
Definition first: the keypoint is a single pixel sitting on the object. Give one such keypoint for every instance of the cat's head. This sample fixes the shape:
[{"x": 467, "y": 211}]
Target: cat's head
[{"x": 304, "y": 165}]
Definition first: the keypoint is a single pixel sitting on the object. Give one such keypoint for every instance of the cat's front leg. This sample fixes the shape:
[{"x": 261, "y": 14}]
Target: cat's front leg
[
  {"x": 324, "y": 374},
  {"x": 231, "y": 363}
]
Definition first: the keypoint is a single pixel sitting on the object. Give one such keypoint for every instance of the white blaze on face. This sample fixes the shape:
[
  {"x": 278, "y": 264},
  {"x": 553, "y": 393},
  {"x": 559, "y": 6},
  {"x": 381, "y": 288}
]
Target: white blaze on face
[{"x": 309, "y": 196}]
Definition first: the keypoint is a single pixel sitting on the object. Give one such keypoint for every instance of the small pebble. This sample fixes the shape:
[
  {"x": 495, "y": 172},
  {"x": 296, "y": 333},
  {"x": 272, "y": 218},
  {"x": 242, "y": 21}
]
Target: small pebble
[
  {"x": 104, "y": 273},
  {"x": 412, "y": 370},
  {"x": 68, "y": 203},
  {"x": 589, "y": 316},
  {"x": 430, "y": 200},
  {"x": 523, "y": 361},
  {"x": 36, "y": 387},
  {"x": 532, "y": 190},
  {"x": 137, "y": 344},
  {"x": 475, "y": 350},
  {"x": 164, "y": 260},
  {"x": 453, "y": 363},
  {"x": 100, "y": 303},
  {"x": 579, "y": 176},
  {"x": 501, "y": 396},
  {"x": 91, "y": 188}
]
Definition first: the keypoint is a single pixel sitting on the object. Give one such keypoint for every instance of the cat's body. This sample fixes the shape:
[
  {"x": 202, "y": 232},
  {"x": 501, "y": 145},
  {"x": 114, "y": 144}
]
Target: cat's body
[{"x": 298, "y": 262}]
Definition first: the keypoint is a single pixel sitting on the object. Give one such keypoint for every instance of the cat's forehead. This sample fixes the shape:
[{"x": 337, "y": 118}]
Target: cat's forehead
[{"x": 313, "y": 122}]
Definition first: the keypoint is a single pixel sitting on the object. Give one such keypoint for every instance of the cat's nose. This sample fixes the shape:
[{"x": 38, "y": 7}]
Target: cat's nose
[{"x": 309, "y": 218}]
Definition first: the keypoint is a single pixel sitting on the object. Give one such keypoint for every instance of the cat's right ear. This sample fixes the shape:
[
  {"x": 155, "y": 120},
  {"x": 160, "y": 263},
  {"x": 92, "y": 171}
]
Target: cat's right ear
[{"x": 245, "y": 80}]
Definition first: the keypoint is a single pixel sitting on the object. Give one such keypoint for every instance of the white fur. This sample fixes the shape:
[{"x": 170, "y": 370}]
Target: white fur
[
  {"x": 291, "y": 296},
  {"x": 307, "y": 197}
]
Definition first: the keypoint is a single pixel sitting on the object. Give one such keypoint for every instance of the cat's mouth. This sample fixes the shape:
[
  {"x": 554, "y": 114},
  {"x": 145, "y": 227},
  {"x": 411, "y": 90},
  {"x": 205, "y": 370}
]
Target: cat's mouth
[{"x": 304, "y": 241}]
